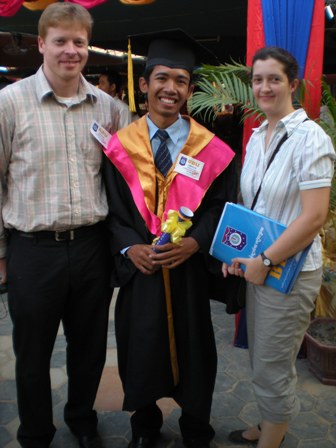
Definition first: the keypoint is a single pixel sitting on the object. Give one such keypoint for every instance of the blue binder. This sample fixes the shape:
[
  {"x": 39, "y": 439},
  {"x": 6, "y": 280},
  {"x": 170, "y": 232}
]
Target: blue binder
[{"x": 245, "y": 233}]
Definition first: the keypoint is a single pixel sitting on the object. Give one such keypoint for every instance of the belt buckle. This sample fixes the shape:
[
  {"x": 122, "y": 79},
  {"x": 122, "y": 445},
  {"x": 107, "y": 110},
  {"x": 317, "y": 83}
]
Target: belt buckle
[{"x": 67, "y": 235}]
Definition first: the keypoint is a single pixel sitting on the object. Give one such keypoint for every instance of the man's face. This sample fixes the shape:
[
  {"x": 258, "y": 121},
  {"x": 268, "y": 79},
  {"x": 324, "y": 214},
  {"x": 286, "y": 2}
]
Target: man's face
[
  {"x": 167, "y": 91},
  {"x": 65, "y": 52},
  {"x": 104, "y": 84}
]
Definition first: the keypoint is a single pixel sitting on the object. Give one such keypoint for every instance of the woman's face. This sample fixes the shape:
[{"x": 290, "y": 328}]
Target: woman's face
[{"x": 272, "y": 89}]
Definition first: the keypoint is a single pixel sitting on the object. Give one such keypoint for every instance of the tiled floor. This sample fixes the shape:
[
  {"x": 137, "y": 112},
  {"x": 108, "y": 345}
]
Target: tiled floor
[{"x": 233, "y": 404}]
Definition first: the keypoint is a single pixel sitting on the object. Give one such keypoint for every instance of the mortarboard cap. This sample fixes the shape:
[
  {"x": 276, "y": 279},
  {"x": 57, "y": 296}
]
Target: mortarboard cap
[{"x": 172, "y": 48}]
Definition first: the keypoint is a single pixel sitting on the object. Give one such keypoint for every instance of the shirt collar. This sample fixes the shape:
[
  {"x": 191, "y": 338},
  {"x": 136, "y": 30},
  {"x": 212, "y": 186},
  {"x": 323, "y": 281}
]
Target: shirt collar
[
  {"x": 289, "y": 122},
  {"x": 173, "y": 130},
  {"x": 43, "y": 88}
]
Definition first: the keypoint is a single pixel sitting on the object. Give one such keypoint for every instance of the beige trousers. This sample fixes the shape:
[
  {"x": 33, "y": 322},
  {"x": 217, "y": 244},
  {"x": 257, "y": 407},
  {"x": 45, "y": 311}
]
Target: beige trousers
[{"x": 276, "y": 324}]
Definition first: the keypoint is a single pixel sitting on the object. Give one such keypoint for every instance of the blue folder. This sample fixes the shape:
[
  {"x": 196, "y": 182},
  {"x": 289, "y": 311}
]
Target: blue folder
[{"x": 242, "y": 232}]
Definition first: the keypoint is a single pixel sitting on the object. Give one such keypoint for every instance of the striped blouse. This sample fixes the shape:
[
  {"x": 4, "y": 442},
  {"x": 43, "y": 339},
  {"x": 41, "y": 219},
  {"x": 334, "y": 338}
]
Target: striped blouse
[{"x": 304, "y": 161}]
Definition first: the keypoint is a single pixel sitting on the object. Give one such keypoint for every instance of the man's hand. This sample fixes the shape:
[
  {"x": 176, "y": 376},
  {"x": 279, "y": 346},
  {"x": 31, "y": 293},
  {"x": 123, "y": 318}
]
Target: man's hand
[{"x": 171, "y": 255}]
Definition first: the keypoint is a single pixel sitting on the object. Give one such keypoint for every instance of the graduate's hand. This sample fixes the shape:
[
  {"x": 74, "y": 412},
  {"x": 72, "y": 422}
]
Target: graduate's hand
[
  {"x": 140, "y": 254},
  {"x": 255, "y": 271},
  {"x": 171, "y": 255}
]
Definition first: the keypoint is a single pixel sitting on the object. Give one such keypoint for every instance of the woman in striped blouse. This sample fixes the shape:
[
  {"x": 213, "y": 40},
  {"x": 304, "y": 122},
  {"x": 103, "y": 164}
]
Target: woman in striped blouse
[{"x": 295, "y": 191}]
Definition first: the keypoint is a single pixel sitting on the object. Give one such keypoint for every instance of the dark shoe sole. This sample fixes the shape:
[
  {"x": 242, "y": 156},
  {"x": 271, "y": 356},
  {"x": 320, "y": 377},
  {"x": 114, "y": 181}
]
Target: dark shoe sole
[{"x": 237, "y": 437}]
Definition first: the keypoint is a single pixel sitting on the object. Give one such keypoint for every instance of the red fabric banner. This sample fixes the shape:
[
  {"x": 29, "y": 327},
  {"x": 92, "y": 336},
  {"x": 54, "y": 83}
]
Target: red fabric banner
[
  {"x": 255, "y": 40},
  {"x": 314, "y": 62}
]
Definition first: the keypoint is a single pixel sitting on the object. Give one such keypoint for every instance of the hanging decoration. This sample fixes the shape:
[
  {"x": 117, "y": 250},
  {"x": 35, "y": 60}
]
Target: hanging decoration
[
  {"x": 136, "y": 2},
  {"x": 35, "y": 5},
  {"x": 11, "y": 7},
  {"x": 87, "y": 3}
]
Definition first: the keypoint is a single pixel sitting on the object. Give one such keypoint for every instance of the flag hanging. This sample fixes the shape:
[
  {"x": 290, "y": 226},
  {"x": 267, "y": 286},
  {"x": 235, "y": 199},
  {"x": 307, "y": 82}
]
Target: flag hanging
[{"x": 299, "y": 28}]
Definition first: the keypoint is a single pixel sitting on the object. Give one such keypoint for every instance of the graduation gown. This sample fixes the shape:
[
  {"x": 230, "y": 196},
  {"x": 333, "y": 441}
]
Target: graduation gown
[{"x": 139, "y": 198}]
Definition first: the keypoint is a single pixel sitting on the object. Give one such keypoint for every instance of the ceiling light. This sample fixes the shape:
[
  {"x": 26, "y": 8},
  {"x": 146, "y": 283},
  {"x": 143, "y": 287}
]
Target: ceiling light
[{"x": 329, "y": 12}]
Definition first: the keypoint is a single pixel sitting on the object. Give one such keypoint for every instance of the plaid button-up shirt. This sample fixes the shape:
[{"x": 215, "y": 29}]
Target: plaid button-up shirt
[{"x": 50, "y": 164}]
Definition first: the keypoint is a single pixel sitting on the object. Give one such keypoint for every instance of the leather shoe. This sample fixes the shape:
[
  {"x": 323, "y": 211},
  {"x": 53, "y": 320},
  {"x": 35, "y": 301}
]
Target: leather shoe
[
  {"x": 143, "y": 442},
  {"x": 89, "y": 441},
  {"x": 237, "y": 437}
]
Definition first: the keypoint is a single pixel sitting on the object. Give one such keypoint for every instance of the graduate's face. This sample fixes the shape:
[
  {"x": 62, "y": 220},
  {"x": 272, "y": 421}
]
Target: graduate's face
[{"x": 167, "y": 91}]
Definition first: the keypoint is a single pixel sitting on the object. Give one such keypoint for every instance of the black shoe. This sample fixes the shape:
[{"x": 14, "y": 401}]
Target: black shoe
[
  {"x": 237, "y": 437},
  {"x": 143, "y": 442},
  {"x": 89, "y": 441}
]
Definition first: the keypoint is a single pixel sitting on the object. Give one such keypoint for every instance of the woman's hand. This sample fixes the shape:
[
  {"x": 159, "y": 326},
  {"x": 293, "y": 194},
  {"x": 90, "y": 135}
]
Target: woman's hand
[
  {"x": 255, "y": 270},
  {"x": 233, "y": 269}
]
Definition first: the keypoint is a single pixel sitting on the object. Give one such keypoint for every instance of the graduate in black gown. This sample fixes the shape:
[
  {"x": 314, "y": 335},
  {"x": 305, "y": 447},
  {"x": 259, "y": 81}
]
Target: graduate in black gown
[{"x": 164, "y": 333}]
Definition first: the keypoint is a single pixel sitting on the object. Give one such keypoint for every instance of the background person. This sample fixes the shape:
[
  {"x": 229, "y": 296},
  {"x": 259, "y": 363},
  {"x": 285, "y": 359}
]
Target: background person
[
  {"x": 295, "y": 191},
  {"x": 111, "y": 83},
  {"x": 53, "y": 205},
  {"x": 139, "y": 197}
]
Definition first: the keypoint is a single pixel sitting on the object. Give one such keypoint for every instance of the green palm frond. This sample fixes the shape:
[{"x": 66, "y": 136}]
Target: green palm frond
[
  {"x": 328, "y": 117},
  {"x": 236, "y": 69},
  {"x": 220, "y": 86},
  {"x": 330, "y": 129},
  {"x": 328, "y": 99}
]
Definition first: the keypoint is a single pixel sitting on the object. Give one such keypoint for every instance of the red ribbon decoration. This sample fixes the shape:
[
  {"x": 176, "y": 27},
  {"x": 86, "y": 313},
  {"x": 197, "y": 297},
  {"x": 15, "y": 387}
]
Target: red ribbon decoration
[
  {"x": 10, "y": 7},
  {"x": 87, "y": 3}
]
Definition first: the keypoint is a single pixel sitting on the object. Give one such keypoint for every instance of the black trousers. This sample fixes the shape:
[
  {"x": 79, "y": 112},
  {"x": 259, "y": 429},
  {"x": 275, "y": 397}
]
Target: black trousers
[
  {"x": 50, "y": 282},
  {"x": 146, "y": 422}
]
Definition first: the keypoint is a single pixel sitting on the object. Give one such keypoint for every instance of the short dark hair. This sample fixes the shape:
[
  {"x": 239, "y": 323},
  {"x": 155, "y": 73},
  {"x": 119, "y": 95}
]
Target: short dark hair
[
  {"x": 113, "y": 78},
  {"x": 290, "y": 65}
]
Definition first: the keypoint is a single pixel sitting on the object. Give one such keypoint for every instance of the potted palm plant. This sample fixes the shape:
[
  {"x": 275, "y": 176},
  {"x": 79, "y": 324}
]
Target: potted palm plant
[{"x": 229, "y": 86}]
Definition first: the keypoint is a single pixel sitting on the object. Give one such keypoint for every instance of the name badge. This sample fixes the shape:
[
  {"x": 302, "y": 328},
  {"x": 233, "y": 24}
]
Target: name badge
[
  {"x": 188, "y": 166},
  {"x": 100, "y": 133}
]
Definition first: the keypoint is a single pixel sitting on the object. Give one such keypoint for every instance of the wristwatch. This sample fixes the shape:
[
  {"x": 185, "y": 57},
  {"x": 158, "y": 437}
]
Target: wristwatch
[{"x": 267, "y": 262}]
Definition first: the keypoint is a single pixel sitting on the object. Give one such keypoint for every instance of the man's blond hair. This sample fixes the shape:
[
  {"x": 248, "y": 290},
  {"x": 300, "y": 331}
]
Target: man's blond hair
[{"x": 64, "y": 14}]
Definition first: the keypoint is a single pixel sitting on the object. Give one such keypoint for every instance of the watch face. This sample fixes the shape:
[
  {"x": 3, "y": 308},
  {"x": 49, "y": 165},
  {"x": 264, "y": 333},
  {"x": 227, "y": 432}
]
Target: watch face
[{"x": 267, "y": 262}]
